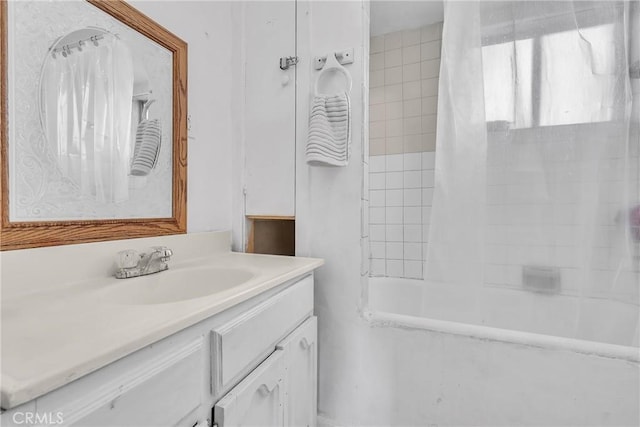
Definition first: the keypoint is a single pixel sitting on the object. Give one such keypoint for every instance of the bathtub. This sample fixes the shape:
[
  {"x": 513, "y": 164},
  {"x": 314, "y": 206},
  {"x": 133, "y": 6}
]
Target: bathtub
[
  {"x": 510, "y": 315},
  {"x": 459, "y": 365}
]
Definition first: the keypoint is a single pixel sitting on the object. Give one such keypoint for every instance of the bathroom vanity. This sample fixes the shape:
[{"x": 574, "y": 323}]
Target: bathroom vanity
[{"x": 138, "y": 352}]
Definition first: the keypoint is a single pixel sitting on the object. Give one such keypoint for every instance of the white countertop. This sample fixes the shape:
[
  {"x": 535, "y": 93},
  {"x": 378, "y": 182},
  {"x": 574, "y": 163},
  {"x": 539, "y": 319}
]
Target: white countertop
[{"x": 52, "y": 335}]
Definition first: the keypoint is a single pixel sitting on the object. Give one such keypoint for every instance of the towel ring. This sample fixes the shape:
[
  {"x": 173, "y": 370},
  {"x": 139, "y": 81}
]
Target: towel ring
[{"x": 332, "y": 64}]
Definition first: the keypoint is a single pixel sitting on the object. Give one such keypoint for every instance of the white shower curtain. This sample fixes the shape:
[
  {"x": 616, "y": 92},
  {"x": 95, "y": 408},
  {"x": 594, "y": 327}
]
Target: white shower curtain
[
  {"x": 87, "y": 101},
  {"x": 537, "y": 158}
]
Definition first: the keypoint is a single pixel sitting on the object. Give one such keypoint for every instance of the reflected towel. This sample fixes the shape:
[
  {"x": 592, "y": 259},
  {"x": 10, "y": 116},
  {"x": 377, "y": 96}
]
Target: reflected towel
[
  {"x": 329, "y": 139},
  {"x": 145, "y": 153}
]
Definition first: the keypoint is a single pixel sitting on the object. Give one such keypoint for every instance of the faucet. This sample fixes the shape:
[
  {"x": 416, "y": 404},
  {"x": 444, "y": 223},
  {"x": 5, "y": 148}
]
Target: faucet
[{"x": 133, "y": 264}]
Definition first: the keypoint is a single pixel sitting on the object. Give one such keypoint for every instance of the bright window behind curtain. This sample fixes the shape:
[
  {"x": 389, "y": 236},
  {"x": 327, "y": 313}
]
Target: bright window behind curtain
[
  {"x": 578, "y": 79},
  {"x": 507, "y": 82},
  {"x": 574, "y": 82}
]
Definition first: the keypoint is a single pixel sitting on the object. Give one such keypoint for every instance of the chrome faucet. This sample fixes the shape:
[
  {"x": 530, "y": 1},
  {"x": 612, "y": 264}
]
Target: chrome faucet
[{"x": 133, "y": 263}]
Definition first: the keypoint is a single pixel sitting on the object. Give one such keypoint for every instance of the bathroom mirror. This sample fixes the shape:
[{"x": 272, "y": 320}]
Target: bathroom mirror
[{"x": 93, "y": 124}]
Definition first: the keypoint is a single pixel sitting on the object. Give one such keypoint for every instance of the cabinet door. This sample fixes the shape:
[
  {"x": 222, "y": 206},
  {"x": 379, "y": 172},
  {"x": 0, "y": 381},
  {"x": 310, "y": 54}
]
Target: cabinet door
[
  {"x": 301, "y": 353},
  {"x": 258, "y": 400},
  {"x": 270, "y": 108}
]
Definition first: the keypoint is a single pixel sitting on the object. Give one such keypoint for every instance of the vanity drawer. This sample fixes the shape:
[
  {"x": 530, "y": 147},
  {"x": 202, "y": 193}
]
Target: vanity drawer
[
  {"x": 158, "y": 392},
  {"x": 241, "y": 344}
]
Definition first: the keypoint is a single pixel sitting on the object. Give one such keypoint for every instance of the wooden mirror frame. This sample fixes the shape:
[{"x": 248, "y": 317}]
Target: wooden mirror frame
[{"x": 20, "y": 235}]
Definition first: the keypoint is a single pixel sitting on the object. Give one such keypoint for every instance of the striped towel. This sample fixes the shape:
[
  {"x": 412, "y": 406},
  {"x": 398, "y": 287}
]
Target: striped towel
[
  {"x": 329, "y": 140},
  {"x": 145, "y": 152}
]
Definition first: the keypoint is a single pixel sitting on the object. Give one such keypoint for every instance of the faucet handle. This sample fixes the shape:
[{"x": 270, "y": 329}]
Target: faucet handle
[
  {"x": 162, "y": 251},
  {"x": 128, "y": 258}
]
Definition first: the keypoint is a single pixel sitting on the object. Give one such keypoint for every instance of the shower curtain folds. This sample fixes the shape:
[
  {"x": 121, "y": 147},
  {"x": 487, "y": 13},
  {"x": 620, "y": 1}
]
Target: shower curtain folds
[{"x": 537, "y": 169}]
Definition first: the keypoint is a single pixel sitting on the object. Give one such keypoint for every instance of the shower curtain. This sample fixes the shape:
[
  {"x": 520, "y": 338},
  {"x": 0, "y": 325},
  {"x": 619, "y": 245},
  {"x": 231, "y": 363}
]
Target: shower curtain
[
  {"x": 537, "y": 160},
  {"x": 87, "y": 102}
]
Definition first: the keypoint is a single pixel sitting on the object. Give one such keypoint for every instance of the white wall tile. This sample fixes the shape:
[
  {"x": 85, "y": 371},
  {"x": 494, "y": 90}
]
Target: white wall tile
[
  {"x": 428, "y": 178},
  {"x": 412, "y": 197},
  {"x": 378, "y": 267},
  {"x": 377, "y": 249},
  {"x": 425, "y": 233},
  {"x": 394, "y": 250},
  {"x": 413, "y": 161},
  {"x": 377, "y": 233},
  {"x": 413, "y": 251},
  {"x": 393, "y": 197},
  {"x": 428, "y": 160},
  {"x": 377, "y": 215},
  {"x": 412, "y": 215},
  {"x": 394, "y": 233},
  {"x": 377, "y": 181},
  {"x": 426, "y": 215},
  {"x": 427, "y": 196},
  {"x": 395, "y": 163},
  {"x": 413, "y": 269},
  {"x": 377, "y": 163},
  {"x": 412, "y": 179},
  {"x": 394, "y": 180},
  {"x": 377, "y": 198},
  {"x": 394, "y": 214},
  {"x": 395, "y": 268},
  {"x": 412, "y": 233}
]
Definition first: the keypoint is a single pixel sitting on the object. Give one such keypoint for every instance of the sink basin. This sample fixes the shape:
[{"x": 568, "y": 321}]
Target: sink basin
[{"x": 176, "y": 285}]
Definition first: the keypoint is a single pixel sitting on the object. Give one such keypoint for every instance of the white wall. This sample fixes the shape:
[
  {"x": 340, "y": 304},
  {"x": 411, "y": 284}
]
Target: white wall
[{"x": 207, "y": 28}]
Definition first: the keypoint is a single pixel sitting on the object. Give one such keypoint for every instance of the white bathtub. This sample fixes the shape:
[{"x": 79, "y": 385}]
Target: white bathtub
[
  {"x": 459, "y": 365},
  {"x": 604, "y": 327}
]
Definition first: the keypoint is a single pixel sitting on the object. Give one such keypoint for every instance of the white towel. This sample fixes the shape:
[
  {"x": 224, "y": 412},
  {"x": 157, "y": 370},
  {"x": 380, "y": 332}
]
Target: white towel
[{"x": 329, "y": 140}]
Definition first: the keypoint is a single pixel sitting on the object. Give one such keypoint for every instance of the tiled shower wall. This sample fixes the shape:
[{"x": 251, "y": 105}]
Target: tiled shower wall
[
  {"x": 403, "y": 98},
  {"x": 404, "y": 68}
]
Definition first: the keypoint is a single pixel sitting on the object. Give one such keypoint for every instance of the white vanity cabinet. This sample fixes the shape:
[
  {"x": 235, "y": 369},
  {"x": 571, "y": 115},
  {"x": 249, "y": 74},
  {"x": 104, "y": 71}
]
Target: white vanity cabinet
[
  {"x": 252, "y": 364},
  {"x": 281, "y": 391}
]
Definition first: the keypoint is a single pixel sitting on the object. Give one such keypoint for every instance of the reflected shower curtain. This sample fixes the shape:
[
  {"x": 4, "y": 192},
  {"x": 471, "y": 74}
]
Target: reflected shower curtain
[
  {"x": 87, "y": 104},
  {"x": 537, "y": 160}
]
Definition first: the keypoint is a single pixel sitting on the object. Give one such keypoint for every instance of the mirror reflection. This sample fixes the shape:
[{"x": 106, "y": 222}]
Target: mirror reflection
[
  {"x": 101, "y": 94},
  {"x": 92, "y": 93}
]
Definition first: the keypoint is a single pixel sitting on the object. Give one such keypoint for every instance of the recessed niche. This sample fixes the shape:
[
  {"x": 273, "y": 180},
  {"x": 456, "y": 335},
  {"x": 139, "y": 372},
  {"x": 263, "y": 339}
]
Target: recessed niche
[{"x": 275, "y": 235}]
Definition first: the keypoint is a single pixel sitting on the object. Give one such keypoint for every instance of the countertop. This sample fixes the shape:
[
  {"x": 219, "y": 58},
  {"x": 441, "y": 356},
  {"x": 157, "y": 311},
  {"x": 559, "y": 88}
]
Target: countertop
[{"x": 54, "y": 335}]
